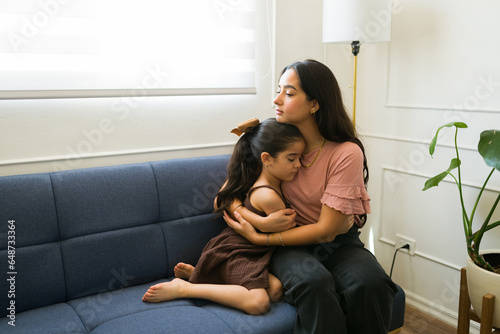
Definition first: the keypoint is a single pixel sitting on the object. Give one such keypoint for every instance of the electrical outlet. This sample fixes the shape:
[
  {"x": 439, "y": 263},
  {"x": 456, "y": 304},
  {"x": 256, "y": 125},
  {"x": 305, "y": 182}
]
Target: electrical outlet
[{"x": 401, "y": 241}]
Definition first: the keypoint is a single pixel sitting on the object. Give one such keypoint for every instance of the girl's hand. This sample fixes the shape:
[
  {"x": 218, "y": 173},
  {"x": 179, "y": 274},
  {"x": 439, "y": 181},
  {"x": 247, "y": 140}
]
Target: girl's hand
[
  {"x": 280, "y": 220},
  {"x": 241, "y": 226},
  {"x": 348, "y": 223}
]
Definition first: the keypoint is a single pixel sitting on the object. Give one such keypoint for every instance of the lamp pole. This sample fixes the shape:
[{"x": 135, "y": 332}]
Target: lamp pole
[{"x": 355, "y": 50}]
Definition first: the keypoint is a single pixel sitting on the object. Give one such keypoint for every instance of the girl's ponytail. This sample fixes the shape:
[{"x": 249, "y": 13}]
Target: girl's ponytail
[
  {"x": 245, "y": 164},
  {"x": 242, "y": 172}
]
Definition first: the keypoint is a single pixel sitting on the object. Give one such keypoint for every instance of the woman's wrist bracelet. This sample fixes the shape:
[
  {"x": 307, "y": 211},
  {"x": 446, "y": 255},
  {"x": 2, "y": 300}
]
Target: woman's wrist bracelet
[
  {"x": 281, "y": 240},
  {"x": 274, "y": 239}
]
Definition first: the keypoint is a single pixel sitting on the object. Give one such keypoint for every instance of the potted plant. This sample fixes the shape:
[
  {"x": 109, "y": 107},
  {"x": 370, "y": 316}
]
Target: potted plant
[{"x": 486, "y": 263}]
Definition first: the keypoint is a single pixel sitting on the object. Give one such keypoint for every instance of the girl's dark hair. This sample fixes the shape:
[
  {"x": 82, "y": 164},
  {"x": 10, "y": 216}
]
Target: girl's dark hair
[
  {"x": 319, "y": 83},
  {"x": 245, "y": 164}
]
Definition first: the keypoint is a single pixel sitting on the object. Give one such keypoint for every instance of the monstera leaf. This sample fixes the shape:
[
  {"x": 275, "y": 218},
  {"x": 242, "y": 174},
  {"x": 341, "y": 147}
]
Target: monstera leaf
[
  {"x": 432, "y": 146},
  {"x": 489, "y": 148},
  {"x": 434, "y": 181}
]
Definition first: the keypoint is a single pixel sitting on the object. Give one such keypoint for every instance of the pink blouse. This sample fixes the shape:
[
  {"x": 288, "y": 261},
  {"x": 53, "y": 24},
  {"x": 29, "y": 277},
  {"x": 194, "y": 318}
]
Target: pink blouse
[{"x": 334, "y": 179}]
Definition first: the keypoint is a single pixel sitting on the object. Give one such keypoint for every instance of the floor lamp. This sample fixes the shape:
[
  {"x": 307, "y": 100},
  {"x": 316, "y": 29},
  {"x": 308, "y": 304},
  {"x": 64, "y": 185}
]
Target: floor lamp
[{"x": 356, "y": 22}]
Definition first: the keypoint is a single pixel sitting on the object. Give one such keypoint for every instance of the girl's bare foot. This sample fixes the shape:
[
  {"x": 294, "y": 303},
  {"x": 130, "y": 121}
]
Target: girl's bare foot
[
  {"x": 165, "y": 291},
  {"x": 183, "y": 270}
]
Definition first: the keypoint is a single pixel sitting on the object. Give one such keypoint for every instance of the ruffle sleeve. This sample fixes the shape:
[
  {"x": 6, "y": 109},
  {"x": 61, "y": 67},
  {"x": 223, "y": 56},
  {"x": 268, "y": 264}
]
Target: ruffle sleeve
[{"x": 347, "y": 199}]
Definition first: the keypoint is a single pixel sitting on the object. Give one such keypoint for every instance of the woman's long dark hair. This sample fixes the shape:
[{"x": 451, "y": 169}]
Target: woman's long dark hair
[
  {"x": 319, "y": 83},
  {"x": 245, "y": 164}
]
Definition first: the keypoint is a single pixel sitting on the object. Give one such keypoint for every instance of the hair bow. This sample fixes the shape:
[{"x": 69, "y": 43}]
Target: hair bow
[{"x": 245, "y": 126}]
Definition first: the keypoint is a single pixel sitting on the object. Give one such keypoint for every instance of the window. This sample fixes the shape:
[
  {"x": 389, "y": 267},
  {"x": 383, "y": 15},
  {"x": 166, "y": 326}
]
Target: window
[{"x": 77, "y": 48}]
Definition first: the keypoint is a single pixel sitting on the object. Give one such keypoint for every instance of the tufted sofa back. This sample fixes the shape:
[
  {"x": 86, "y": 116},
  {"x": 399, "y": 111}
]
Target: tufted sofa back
[{"x": 70, "y": 234}]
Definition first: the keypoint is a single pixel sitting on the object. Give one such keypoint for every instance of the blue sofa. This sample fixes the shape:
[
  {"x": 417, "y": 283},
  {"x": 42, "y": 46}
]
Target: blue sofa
[{"x": 79, "y": 248}]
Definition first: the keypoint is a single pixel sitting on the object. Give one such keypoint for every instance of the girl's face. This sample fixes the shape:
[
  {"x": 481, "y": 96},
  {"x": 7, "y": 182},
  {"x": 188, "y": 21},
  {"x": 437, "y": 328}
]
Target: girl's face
[
  {"x": 287, "y": 163},
  {"x": 292, "y": 105}
]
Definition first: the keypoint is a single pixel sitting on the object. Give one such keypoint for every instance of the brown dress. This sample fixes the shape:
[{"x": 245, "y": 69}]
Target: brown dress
[{"x": 229, "y": 258}]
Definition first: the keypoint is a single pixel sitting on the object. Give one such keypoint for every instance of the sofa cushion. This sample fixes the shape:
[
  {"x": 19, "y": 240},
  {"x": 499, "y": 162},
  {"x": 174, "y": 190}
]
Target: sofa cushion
[
  {"x": 184, "y": 242},
  {"x": 177, "y": 316},
  {"x": 279, "y": 319},
  {"x": 58, "y": 318},
  {"x": 101, "y": 308},
  {"x": 39, "y": 278},
  {"x": 112, "y": 260},
  {"x": 29, "y": 200},
  {"x": 181, "y": 319},
  {"x": 103, "y": 199},
  {"x": 187, "y": 187}
]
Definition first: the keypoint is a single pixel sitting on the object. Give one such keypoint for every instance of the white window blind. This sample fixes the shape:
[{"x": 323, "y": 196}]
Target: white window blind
[{"x": 71, "y": 48}]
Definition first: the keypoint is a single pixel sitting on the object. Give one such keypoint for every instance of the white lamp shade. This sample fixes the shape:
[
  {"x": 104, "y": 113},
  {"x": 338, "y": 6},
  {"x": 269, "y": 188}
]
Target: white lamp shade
[{"x": 367, "y": 21}]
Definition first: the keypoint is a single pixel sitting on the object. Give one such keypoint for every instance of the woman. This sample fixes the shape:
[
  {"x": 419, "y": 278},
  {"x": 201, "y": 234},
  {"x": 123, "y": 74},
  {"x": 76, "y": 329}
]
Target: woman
[{"x": 336, "y": 284}]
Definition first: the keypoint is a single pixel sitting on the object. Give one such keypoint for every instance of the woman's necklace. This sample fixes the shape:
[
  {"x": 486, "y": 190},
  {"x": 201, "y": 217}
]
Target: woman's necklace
[{"x": 317, "y": 155}]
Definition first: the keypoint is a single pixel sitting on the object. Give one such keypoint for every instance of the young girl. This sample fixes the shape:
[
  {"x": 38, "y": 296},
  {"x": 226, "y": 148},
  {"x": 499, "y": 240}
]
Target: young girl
[{"x": 231, "y": 270}]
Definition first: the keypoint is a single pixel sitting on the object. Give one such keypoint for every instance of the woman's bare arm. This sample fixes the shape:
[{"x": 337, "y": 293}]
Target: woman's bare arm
[{"x": 330, "y": 224}]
